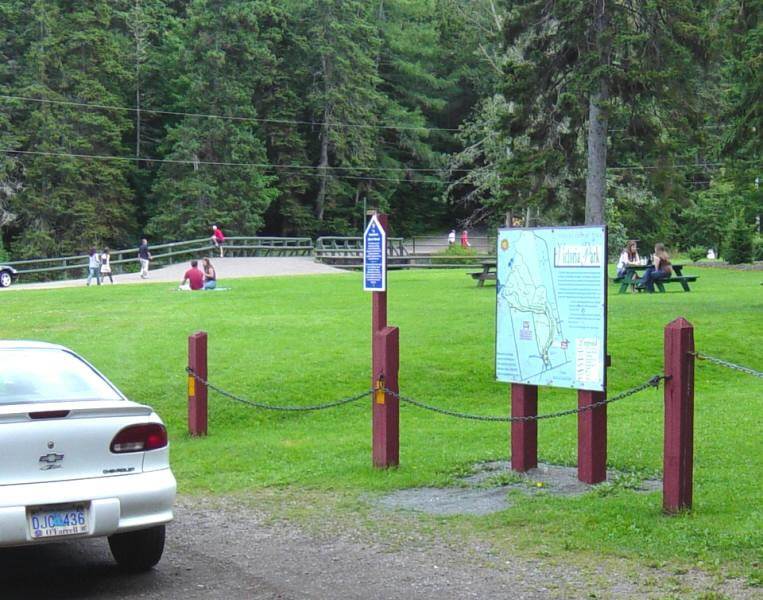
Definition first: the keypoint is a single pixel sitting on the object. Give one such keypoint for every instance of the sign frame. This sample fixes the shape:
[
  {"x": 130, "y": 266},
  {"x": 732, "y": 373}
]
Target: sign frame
[
  {"x": 601, "y": 383},
  {"x": 374, "y": 262}
]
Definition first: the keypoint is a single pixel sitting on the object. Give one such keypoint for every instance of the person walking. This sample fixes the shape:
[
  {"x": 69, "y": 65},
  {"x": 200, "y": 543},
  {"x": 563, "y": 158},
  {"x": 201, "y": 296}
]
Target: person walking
[
  {"x": 218, "y": 239},
  {"x": 452, "y": 238},
  {"x": 465, "y": 239},
  {"x": 106, "y": 266},
  {"x": 210, "y": 275},
  {"x": 93, "y": 266},
  {"x": 144, "y": 256}
]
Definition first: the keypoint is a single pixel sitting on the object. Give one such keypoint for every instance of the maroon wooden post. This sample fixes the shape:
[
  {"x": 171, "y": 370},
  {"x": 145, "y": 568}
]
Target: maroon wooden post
[
  {"x": 197, "y": 391},
  {"x": 386, "y": 406},
  {"x": 592, "y": 438},
  {"x": 524, "y": 434},
  {"x": 678, "y": 458}
]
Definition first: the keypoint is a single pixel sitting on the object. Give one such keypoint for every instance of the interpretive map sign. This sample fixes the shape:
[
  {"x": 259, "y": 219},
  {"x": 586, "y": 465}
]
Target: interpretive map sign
[
  {"x": 551, "y": 319},
  {"x": 374, "y": 257}
]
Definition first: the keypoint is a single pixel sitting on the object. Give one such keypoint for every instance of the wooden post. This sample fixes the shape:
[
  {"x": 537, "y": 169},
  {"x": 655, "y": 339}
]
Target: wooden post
[
  {"x": 386, "y": 406},
  {"x": 678, "y": 458},
  {"x": 524, "y": 434},
  {"x": 592, "y": 438},
  {"x": 385, "y": 361},
  {"x": 197, "y": 391}
]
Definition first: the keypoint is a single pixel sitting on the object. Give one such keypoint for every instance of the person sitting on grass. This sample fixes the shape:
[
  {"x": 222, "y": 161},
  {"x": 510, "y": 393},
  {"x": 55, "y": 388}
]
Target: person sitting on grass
[
  {"x": 659, "y": 269},
  {"x": 210, "y": 276},
  {"x": 193, "y": 279}
]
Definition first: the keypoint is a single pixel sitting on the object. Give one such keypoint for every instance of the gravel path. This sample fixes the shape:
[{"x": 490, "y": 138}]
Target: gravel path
[
  {"x": 233, "y": 549},
  {"x": 227, "y": 268}
]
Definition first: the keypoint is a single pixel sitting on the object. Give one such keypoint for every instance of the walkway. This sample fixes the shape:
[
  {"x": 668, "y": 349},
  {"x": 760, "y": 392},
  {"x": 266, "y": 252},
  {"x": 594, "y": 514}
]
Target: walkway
[{"x": 227, "y": 268}]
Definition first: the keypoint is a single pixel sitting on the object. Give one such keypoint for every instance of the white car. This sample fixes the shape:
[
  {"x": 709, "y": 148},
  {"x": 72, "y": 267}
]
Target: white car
[{"x": 78, "y": 459}]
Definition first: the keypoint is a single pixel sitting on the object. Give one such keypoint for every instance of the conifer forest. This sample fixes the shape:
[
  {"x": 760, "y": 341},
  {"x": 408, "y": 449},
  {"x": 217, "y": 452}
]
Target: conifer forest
[{"x": 125, "y": 118}]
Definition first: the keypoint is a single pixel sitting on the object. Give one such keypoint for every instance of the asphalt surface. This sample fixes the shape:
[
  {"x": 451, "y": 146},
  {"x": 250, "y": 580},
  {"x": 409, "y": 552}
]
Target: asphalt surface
[{"x": 227, "y": 269}]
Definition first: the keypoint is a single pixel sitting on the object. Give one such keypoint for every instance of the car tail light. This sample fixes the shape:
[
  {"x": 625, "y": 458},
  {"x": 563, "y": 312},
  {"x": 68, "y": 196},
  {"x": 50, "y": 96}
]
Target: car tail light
[{"x": 139, "y": 438}]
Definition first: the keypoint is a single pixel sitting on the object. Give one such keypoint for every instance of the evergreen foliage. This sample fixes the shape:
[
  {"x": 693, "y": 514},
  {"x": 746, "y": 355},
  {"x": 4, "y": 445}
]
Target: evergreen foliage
[
  {"x": 130, "y": 117},
  {"x": 739, "y": 241}
]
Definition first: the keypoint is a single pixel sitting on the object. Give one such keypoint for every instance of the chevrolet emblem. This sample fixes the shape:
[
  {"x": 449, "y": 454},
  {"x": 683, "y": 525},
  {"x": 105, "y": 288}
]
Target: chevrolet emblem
[{"x": 50, "y": 461}]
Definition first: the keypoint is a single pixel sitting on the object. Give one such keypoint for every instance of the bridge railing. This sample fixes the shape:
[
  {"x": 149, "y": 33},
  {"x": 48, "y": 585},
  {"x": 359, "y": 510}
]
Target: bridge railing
[
  {"x": 126, "y": 260},
  {"x": 345, "y": 247}
]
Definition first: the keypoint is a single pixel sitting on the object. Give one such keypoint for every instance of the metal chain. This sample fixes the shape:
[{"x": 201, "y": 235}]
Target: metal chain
[
  {"x": 222, "y": 392},
  {"x": 727, "y": 364},
  {"x": 652, "y": 382}
]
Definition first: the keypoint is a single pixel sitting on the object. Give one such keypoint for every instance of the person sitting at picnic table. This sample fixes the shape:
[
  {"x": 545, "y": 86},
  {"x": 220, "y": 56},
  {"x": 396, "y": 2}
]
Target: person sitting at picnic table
[
  {"x": 659, "y": 269},
  {"x": 628, "y": 258},
  {"x": 193, "y": 278},
  {"x": 210, "y": 276}
]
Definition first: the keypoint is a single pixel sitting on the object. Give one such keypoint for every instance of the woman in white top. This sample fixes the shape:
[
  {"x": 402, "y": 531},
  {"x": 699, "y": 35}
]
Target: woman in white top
[
  {"x": 106, "y": 265},
  {"x": 628, "y": 257}
]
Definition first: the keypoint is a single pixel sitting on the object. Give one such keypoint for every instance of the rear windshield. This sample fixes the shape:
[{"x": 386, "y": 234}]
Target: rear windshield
[{"x": 48, "y": 375}]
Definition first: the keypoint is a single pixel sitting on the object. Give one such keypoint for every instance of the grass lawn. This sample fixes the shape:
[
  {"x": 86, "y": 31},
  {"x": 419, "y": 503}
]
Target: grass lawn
[{"x": 305, "y": 340}]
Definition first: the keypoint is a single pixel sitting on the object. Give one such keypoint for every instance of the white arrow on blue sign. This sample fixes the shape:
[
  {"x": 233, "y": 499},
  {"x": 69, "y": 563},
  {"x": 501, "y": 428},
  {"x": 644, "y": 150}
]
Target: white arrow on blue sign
[{"x": 374, "y": 257}]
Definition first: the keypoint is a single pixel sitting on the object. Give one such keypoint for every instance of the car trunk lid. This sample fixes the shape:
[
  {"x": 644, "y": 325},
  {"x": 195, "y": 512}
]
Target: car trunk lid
[{"x": 59, "y": 441}]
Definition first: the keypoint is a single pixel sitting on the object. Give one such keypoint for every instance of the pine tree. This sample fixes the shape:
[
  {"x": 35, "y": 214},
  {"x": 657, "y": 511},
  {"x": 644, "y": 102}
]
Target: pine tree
[
  {"x": 217, "y": 170},
  {"x": 65, "y": 204}
]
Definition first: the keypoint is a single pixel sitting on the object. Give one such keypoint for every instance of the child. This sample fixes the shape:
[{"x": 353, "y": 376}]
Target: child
[{"x": 106, "y": 266}]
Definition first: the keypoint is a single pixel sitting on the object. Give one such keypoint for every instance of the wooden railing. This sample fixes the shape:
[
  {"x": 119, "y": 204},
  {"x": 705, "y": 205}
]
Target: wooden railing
[
  {"x": 126, "y": 260},
  {"x": 345, "y": 252},
  {"x": 327, "y": 247}
]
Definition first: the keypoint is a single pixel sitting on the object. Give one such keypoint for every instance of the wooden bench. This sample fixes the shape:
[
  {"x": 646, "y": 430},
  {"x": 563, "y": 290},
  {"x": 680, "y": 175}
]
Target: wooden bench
[
  {"x": 488, "y": 273},
  {"x": 482, "y": 277}
]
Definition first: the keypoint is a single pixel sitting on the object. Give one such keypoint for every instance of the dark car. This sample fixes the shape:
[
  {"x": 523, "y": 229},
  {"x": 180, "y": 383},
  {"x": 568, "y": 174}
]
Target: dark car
[{"x": 8, "y": 275}]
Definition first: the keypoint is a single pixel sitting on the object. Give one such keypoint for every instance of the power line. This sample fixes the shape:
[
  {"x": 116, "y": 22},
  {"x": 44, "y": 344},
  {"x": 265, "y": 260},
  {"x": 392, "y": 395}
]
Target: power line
[
  {"x": 303, "y": 168},
  {"x": 216, "y": 163},
  {"x": 223, "y": 117}
]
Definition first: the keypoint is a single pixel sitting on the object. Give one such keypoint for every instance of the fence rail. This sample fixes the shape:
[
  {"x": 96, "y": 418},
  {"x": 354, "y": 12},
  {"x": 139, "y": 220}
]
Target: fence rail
[
  {"x": 344, "y": 252},
  {"x": 126, "y": 259}
]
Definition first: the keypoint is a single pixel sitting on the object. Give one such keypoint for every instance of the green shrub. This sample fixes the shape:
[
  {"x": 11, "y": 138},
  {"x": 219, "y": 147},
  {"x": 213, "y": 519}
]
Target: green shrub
[
  {"x": 696, "y": 253},
  {"x": 757, "y": 248},
  {"x": 457, "y": 250},
  {"x": 4, "y": 256},
  {"x": 738, "y": 244}
]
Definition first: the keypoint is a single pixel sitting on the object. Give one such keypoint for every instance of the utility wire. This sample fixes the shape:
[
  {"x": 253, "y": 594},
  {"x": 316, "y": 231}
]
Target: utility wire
[
  {"x": 224, "y": 117},
  {"x": 220, "y": 164},
  {"x": 422, "y": 171}
]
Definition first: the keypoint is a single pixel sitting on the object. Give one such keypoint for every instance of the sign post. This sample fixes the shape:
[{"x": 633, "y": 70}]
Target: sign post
[
  {"x": 385, "y": 348},
  {"x": 551, "y": 329}
]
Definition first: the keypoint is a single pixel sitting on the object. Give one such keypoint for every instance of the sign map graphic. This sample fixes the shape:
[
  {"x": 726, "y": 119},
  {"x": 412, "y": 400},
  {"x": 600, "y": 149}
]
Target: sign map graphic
[{"x": 551, "y": 307}]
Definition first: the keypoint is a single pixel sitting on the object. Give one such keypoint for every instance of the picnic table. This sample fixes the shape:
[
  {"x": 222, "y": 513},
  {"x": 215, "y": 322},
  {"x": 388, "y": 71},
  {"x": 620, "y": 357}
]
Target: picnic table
[
  {"x": 632, "y": 276},
  {"x": 488, "y": 272}
]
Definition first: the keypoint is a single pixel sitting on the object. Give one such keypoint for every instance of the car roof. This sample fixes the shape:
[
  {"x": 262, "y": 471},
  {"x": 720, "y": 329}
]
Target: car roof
[{"x": 29, "y": 344}]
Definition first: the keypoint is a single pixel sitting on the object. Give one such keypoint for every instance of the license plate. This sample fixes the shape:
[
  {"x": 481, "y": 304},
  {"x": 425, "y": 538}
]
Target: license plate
[{"x": 60, "y": 520}]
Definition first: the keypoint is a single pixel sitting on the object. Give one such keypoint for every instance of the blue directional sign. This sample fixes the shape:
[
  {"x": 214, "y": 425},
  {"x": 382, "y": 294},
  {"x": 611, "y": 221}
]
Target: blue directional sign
[{"x": 374, "y": 257}]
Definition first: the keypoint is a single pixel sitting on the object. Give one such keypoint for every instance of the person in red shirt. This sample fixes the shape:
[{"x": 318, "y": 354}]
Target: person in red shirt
[
  {"x": 193, "y": 277},
  {"x": 218, "y": 239},
  {"x": 465, "y": 239}
]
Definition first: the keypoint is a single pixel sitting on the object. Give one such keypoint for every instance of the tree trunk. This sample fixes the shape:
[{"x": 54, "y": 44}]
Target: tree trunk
[
  {"x": 320, "y": 199},
  {"x": 596, "y": 178}
]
